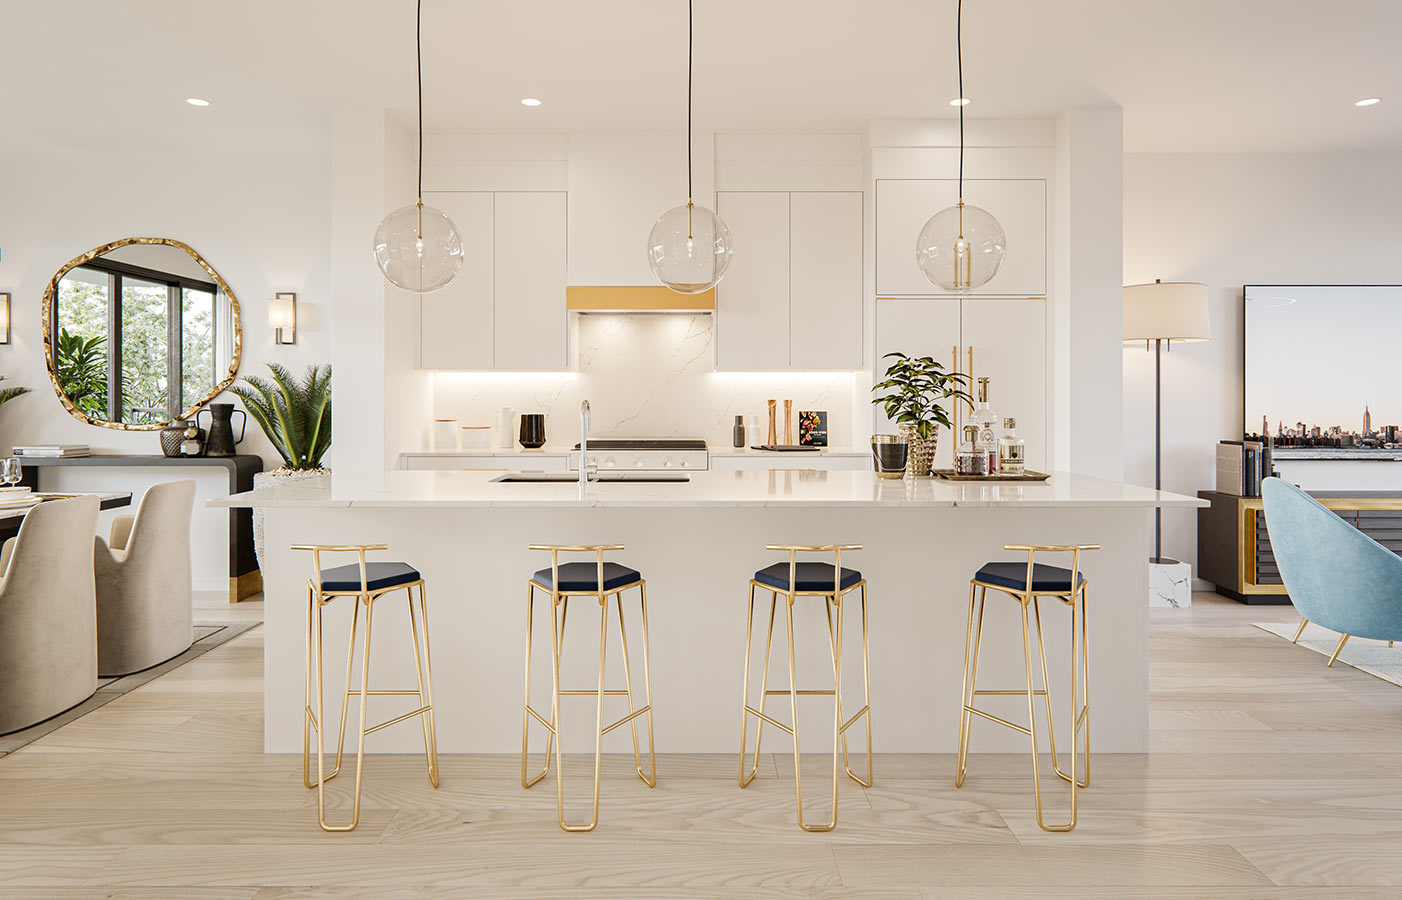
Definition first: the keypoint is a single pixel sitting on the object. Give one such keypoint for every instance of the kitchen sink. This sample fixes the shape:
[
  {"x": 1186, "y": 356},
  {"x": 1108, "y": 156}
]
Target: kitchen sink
[{"x": 598, "y": 478}]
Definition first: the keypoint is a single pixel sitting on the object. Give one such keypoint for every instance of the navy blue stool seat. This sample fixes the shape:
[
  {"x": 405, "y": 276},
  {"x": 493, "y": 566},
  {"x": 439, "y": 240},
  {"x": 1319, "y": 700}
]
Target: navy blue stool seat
[
  {"x": 379, "y": 576},
  {"x": 583, "y": 576},
  {"x": 1013, "y": 576},
  {"x": 811, "y": 576}
]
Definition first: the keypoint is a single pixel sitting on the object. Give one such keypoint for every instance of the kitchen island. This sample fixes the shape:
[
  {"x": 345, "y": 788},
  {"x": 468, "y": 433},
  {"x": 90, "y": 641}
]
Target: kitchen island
[{"x": 697, "y": 543}]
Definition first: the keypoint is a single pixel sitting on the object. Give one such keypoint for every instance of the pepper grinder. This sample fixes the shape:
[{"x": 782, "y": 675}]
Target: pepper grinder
[
  {"x": 773, "y": 425},
  {"x": 788, "y": 422},
  {"x": 738, "y": 439}
]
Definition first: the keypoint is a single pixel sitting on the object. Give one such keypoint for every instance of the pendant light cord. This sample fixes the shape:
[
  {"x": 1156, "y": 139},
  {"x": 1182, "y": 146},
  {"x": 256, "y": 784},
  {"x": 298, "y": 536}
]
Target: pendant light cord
[
  {"x": 959, "y": 56},
  {"x": 419, "y": 62},
  {"x": 690, "y": 41}
]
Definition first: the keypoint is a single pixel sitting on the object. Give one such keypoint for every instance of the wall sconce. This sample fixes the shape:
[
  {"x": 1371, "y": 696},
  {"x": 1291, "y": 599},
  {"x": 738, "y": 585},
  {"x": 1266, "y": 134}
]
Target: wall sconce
[
  {"x": 5, "y": 317},
  {"x": 282, "y": 317}
]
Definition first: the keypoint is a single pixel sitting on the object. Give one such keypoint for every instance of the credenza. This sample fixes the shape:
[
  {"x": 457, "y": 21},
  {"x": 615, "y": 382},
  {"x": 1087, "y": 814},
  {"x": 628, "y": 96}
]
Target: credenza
[
  {"x": 245, "y": 579},
  {"x": 1234, "y": 548}
]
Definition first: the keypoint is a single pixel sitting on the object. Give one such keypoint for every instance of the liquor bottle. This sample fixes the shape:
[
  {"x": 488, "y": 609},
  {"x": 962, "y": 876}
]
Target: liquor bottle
[
  {"x": 969, "y": 458},
  {"x": 987, "y": 423},
  {"x": 1012, "y": 450}
]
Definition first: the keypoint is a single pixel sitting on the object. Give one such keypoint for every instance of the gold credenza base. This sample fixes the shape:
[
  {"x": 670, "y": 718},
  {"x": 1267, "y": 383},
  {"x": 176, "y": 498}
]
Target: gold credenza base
[{"x": 249, "y": 584}]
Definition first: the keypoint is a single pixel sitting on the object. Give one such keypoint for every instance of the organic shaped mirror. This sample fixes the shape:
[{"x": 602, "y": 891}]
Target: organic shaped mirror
[{"x": 139, "y": 332}]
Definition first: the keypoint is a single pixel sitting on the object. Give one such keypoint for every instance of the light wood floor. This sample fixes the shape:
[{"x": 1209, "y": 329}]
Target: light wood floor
[{"x": 1271, "y": 777}]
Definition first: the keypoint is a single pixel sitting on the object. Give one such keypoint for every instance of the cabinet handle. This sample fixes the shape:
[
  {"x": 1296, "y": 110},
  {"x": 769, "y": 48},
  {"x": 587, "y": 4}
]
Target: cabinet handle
[{"x": 954, "y": 370}]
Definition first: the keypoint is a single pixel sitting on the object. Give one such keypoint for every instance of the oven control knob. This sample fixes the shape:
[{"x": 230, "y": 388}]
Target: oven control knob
[
  {"x": 686, "y": 464},
  {"x": 637, "y": 464},
  {"x": 608, "y": 462},
  {"x": 667, "y": 463},
  {"x": 594, "y": 461}
]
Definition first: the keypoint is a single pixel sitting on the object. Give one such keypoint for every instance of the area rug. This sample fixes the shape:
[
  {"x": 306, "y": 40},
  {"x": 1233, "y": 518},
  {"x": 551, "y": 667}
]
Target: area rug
[
  {"x": 1374, "y": 657},
  {"x": 208, "y": 635}
]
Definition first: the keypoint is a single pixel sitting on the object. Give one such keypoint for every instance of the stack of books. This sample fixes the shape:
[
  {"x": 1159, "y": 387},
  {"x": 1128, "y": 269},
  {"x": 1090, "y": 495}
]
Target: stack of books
[
  {"x": 53, "y": 451},
  {"x": 1241, "y": 466}
]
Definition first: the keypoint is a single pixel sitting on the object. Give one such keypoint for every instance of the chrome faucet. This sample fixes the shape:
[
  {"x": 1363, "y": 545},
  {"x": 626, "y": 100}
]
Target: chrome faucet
[{"x": 583, "y": 447}]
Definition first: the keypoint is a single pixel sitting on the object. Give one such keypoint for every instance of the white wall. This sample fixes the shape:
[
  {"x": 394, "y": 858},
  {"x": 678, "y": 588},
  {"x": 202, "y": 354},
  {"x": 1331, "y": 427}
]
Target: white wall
[
  {"x": 260, "y": 219},
  {"x": 1229, "y": 220}
]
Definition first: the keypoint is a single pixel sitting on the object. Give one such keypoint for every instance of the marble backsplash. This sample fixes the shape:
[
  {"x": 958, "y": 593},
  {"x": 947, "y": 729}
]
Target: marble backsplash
[{"x": 645, "y": 376}]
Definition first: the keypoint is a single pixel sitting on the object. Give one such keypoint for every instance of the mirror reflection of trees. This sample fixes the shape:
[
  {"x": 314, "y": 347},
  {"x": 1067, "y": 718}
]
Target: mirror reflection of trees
[{"x": 136, "y": 344}]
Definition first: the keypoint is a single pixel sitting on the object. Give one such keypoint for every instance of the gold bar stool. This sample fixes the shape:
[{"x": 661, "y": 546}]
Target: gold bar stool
[
  {"x": 600, "y": 580},
  {"x": 1028, "y": 584},
  {"x": 364, "y": 582},
  {"x": 833, "y": 583}
]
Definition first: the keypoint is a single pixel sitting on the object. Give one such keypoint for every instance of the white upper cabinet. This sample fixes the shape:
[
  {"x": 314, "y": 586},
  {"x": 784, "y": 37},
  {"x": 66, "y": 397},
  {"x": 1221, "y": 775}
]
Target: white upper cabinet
[
  {"x": 531, "y": 321},
  {"x": 752, "y": 300},
  {"x": 903, "y": 206},
  {"x": 456, "y": 324},
  {"x": 825, "y": 280},
  {"x": 505, "y": 310},
  {"x": 792, "y": 298}
]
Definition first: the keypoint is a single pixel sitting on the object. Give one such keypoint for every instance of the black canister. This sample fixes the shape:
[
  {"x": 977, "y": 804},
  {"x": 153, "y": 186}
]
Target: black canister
[{"x": 532, "y": 430}]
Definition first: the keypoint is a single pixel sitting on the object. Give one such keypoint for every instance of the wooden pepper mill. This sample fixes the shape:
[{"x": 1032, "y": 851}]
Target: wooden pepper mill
[
  {"x": 773, "y": 424},
  {"x": 788, "y": 423}
]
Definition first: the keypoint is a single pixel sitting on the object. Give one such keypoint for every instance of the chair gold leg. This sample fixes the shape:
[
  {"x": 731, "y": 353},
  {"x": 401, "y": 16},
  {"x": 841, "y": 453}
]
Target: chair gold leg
[
  {"x": 1029, "y": 600},
  {"x": 307, "y": 699},
  {"x": 424, "y": 671},
  {"x": 1299, "y": 631},
  {"x": 651, "y": 780},
  {"x": 972, "y": 638},
  {"x": 745, "y": 688},
  {"x": 793, "y": 708},
  {"x": 598, "y": 727},
  {"x": 633, "y": 709},
  {"x": 1339, "y": 649},
  {"x": 360, "y": 742},
  {"x": 1077, "y": 715},
  {"x": 866, "y": 707},
  {"x": 528, "y": 780},
  {"x": 745, "y": 709}
]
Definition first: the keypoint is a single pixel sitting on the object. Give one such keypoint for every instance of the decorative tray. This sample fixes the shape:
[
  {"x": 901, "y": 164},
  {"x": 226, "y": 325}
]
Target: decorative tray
[
  {"x": 786, "y": 448},
  {"x": 1027, "y": 476}
]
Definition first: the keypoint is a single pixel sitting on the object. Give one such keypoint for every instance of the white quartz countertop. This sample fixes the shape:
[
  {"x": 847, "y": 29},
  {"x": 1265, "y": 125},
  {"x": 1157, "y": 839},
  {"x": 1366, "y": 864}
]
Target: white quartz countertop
[
  {"x": 560, "y": 453},
  {"x": 789, "y": 488}
]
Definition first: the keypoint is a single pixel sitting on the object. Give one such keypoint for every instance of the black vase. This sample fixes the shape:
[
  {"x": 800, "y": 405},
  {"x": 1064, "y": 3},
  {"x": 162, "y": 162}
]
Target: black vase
[
  {"x": 221, "y": 440},
  {"x": 532, "y": 430}
]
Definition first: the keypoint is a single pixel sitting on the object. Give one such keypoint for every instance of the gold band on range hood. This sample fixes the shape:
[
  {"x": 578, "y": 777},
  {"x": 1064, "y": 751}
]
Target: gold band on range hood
[{"x": 648, "y": 298}]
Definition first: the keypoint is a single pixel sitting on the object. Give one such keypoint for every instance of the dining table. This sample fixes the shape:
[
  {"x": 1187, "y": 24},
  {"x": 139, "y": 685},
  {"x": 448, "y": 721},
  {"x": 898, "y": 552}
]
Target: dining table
[{"x": 11, "y": 519}]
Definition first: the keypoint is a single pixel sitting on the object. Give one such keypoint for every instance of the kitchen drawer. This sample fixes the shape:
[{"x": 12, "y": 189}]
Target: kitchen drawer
[{"x": 515, "y": 463}]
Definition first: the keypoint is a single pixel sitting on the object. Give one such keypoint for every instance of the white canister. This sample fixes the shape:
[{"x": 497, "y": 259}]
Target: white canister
[
  {"x": 443, "y": 435},
  {"x": 476, "y": 437},
  {"x": 506, "y": 435}
]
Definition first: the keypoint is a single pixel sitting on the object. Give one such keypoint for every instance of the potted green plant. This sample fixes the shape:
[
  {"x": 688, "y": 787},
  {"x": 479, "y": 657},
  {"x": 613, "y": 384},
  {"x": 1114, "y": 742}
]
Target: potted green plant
[
  {"x": 918, "y": 394},
  {"x": 296, "y": 417}
]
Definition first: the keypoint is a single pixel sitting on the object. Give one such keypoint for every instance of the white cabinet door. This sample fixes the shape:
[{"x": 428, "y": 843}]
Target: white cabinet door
[
  {"x": 531, "y": 321},
  {"x": 924, "y": 327},
  {"x": 1009, "y": 342},
  {"x": 761, "y": 461},
  {"x": 904, "y": 205},
  {"x": 752, "y": 300},
  {"x": 456, "y": 323},
  {"x": 825, "y": 280}
]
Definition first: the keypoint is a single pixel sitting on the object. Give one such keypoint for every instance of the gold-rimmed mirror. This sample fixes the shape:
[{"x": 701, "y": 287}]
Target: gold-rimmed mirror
[{"x": 138, "y": 332}]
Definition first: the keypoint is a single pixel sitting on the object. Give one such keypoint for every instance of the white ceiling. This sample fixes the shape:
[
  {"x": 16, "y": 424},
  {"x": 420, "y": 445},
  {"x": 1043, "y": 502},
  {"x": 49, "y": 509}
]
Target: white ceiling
[{"x": 1192, "y": 75}]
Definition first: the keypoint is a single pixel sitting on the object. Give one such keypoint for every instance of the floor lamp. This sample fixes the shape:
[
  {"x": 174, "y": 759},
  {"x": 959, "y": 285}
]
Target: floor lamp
[{"x": 1159, "y": 314}]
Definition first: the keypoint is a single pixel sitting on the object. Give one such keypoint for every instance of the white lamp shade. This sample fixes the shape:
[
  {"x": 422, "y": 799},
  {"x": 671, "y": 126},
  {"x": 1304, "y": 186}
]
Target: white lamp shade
[
  {"x": 282, "y": 313},
  {"x": 1166, "y": 310}
]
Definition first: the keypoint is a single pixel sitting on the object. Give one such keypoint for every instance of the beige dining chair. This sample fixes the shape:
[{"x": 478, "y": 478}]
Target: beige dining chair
[
  {"x": 144, "y": 612},
  {"x": 48, "y": 618}
]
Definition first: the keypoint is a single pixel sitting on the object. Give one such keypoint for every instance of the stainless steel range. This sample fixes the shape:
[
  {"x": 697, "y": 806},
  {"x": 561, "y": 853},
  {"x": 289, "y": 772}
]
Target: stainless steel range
[{"x": 645, "y": 454}]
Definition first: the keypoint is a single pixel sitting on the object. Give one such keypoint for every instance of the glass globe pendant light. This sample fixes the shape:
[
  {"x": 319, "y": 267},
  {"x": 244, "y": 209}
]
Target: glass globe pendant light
[
  {"x": 417, "y": 247},
  {"x": 689, "y": 247},
  {"x": 961, "y": 247}
]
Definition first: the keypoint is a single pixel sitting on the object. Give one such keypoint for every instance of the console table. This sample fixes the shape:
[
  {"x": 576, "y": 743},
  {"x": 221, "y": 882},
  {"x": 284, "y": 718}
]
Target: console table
[
  {"x": 1234, "y": 550},
  {"x": 245, "y": 579}
]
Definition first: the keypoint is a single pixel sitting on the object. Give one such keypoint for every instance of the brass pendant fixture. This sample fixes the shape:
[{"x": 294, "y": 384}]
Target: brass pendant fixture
[
  {"x": 418, "y": 248},
  {"x": 961, "y": 247},
  {"x": 689, "y": 247}
]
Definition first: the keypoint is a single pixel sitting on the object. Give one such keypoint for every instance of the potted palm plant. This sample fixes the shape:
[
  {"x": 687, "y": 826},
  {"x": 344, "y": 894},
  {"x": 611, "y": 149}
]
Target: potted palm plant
[
  {"x": 296, "y": 417},
  {"x": 918, "y": 394}
]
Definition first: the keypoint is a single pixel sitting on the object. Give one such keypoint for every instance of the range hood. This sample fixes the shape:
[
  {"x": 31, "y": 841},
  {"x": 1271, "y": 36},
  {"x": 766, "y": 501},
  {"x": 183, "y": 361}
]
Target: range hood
[{"x": 636, "y": 299}]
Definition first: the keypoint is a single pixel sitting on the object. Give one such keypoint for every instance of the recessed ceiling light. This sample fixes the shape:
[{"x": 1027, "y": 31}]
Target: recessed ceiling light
[
  {"x": 530, "y": 101},
  {"x": 196, "y": 101},
  {"x": 1368, "y": 101},
  {"x": 959, "y": 101}
]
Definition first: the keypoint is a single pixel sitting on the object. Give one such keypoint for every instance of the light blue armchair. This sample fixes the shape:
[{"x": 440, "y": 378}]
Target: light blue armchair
[{"x": 1335, "y": 574}]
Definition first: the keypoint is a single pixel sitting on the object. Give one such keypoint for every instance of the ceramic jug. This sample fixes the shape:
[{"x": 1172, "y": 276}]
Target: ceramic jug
[{"x": 221, "y": 440}]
